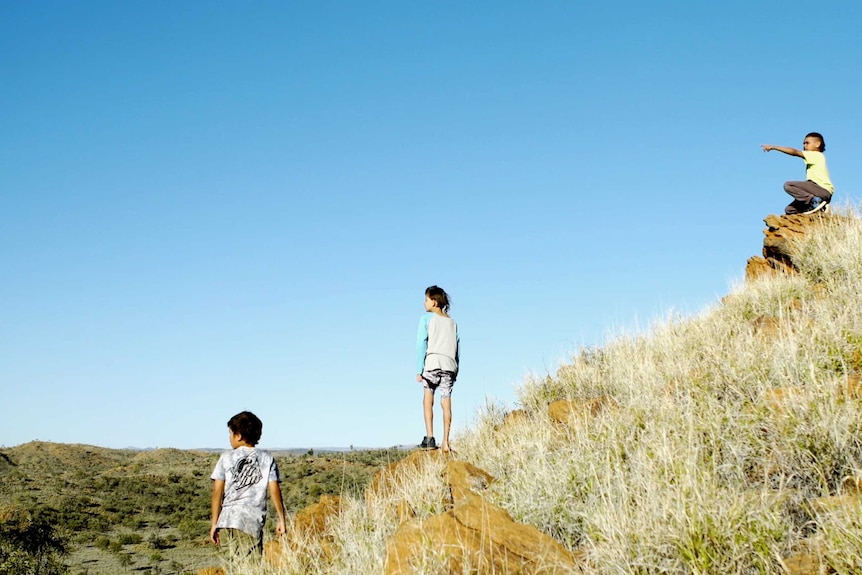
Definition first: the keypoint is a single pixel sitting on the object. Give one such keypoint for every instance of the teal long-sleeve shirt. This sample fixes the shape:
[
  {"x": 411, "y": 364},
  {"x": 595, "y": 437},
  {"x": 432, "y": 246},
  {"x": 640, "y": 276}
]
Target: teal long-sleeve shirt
[{"x": 438, "y": 343}]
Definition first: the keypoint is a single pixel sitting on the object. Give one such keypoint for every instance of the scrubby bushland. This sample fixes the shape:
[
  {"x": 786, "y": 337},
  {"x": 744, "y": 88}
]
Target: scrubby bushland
[
  {"x": 125, "y": 505},
  {"x": 30, "y": 545}
]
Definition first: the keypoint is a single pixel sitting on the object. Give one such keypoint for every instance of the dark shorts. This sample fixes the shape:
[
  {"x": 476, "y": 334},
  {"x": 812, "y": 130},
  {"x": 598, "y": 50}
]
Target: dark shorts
[{"x": 439, "y": 379}]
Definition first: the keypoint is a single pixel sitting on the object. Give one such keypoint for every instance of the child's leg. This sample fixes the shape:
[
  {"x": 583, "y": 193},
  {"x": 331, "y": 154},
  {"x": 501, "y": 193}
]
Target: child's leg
[
  {"x": 446, "y": 404},
  {"x": 428, "y": 408},
  {"x": 803, "y": 193}
]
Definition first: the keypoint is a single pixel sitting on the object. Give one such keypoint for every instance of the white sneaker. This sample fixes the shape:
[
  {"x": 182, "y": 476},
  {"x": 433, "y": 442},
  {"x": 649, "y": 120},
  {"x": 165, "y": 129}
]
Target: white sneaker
[{"x": 822, "y": 205}]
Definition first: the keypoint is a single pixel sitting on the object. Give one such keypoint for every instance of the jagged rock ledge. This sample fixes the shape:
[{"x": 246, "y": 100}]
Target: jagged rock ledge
[{"x": 780, "y": 232}]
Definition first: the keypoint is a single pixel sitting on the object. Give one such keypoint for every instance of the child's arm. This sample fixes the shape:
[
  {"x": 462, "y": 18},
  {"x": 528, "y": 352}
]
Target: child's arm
[
  {"x": 218, "y": 496},
  {"x": 784, "y": 149},
  {"x": 421, "y": 346},
  {"x": 275, "y": 494}
]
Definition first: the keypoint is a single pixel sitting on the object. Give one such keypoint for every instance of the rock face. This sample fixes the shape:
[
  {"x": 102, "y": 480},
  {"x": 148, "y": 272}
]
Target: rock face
[
  {"x": 387, "y": 482},
  {"x": 309, "y": 524},
  {"x": 779, "y": 232},
  {"x": 474, "y": 536}
]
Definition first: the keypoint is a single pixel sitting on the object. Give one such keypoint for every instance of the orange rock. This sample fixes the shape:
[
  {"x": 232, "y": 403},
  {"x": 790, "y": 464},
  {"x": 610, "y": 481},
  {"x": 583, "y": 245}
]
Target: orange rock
[
  {"x": 273, "y": 553},
  {"x": 852, "y": 485},
  {"x": 478, "y": 537},
  {"x": 766, "y": 326},
  {"x": 472, "y": 536},
  {"x": 779, "y": 234},
  {"x": 312, "y": 520},
  {"x": 404, "y": 512},
  {"x": 440, "y": 539},
  {"x": 391, "y": 478},
  {"x": 515, "y": 416},
  {"x": 307, "y": 531},
  {"x": 779, "y": 398},
  {"x": 566, "y": 411},
  {"x": 832, "y": 503},
  {"x": 466, "y": 475},
  {"x": 757, "y": 267},
  {"x": 803, "y": 564},
  {"x": 851, "y": 388}
]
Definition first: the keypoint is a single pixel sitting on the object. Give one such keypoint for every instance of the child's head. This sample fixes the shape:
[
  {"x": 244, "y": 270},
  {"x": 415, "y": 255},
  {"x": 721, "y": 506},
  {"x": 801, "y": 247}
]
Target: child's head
[
  {"x": 247, "y": 425},
  {"x": 817, "y": 143},
  {"x": 439, "y": 297}
]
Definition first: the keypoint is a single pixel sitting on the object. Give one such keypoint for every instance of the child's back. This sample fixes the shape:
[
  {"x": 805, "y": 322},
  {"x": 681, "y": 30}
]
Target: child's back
[
  {"x": 442, "y": 347},
  {"x": 242, "y": 479},
  {"x": 247, "y": 472}
]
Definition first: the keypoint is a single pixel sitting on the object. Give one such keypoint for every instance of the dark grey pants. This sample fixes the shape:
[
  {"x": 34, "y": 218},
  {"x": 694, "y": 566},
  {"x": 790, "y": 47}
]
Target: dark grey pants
[{"x": 803, "y": 193}]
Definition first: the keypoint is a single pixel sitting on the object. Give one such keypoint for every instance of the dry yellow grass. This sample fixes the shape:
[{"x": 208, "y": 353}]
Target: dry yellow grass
[{"x": 727, "y": 431}]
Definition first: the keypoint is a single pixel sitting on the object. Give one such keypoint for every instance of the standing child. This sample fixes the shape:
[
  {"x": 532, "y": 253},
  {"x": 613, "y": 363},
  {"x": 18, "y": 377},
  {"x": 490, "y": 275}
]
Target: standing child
[
  {"x": 437, "y": 362},
  {"x": 816, "y": 191},
  {"x": 241, "y": 479}
]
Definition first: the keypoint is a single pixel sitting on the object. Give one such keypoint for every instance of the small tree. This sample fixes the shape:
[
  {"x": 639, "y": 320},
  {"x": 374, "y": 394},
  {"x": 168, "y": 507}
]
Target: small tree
[{"x": 29, "y": 545}]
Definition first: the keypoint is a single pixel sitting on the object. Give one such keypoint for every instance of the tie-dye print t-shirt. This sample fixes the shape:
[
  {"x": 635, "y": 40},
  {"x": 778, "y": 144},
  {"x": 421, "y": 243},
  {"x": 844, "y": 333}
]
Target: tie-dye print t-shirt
[{"x": 246, "y": 472}]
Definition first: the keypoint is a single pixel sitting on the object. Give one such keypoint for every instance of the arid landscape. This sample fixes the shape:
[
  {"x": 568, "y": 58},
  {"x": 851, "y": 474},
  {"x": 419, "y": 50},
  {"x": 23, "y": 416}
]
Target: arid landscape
[
  {"x": 148, "y": 511},
  {"x": 728, "y": 442}
]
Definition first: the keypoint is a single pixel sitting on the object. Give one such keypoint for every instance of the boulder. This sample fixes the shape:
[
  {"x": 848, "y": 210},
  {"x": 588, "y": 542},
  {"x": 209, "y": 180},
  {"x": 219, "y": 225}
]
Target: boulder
[
  {"x": 312, "y": 521},
  {"x": 389, "y": 480},
  {"x": 851, "y": 387},
  {"x": 514, "y": 417},
  {"x": 474, "y": 536},
  {"x": 804, "y": 563},
  {"x": 567, "y": 411},
  {"x": 307, "y": 530},
  {"x": 464, "y": 475},
  {"x": 478, "y": 537},
  {"x": 777, "y": 244}
]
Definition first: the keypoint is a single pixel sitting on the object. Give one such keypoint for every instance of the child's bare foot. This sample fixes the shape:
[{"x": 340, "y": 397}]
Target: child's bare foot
[{"x": 446, "y": 448}]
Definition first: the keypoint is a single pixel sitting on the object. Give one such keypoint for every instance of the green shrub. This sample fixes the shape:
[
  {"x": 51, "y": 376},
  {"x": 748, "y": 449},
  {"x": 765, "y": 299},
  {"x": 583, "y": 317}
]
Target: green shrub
[
  {"x": 129, "y": 538},
  {"x": 29, "y": 544}
]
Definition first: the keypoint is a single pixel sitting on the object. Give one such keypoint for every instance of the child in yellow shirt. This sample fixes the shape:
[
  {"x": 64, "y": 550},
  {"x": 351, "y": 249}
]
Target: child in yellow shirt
[{"x": 816, "y": 191}]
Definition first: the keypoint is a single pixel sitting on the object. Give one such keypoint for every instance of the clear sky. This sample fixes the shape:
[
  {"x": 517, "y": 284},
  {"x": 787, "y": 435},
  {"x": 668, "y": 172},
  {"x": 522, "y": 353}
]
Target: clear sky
[{"x": 207, "y": 207}]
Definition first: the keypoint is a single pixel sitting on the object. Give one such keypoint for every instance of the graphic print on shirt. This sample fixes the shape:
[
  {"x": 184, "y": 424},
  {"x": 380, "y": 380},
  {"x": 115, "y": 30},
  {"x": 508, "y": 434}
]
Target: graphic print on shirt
[{"x": 246, "y": 472}]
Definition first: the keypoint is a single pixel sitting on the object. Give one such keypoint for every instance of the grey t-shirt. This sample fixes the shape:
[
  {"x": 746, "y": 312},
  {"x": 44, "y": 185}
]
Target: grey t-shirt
[
  {"x": 246, "y": 472},
  {"x": 437, "y": 344}
]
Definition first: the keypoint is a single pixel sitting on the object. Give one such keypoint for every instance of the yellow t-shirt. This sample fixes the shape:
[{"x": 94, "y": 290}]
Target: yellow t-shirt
[{"x": 816, "y": 171}]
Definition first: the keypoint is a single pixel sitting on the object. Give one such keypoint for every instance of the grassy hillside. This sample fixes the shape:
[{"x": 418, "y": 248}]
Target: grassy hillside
[
  {"x": 729, "y": 442},
  {"x": 148, "y": 511},
  {"x": 725, "y": 445}
]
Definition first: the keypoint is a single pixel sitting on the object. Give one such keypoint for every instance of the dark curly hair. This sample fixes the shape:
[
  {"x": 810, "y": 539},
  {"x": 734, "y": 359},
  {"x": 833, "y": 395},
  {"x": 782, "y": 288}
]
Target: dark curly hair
[{"x": 247, "y": 425}]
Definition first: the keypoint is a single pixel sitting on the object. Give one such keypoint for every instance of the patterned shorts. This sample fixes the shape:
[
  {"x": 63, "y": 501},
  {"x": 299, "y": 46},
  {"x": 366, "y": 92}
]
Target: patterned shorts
[{"x": 439, "y": 379}]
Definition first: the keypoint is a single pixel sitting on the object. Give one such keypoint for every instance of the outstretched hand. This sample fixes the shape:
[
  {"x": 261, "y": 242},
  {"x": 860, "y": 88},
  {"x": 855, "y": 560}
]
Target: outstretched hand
[{"x": 767, "y": 147}]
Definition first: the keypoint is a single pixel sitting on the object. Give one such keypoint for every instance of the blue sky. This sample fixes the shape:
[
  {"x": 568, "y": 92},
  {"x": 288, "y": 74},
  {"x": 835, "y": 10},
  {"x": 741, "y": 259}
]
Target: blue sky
[{"x": 212, "y": 207}]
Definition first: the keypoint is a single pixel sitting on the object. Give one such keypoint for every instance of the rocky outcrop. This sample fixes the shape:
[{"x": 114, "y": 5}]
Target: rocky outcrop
[
  {"x": 474, "y": 536},
  {"x": 471, "y": 534},
  {"x": 309, "y": 525},
  {"x": 393, "y": 478},
  {"x": 780, "y": 232}
]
